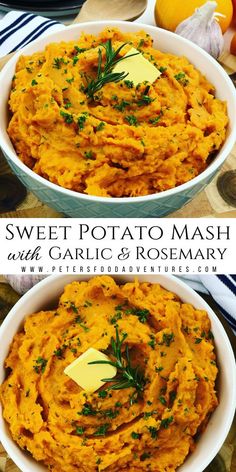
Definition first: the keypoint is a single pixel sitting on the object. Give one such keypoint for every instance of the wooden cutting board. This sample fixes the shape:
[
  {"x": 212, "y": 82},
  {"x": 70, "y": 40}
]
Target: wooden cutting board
[
  {"x": 207, "y": 204},
  {"x": 225, "y": 461}
]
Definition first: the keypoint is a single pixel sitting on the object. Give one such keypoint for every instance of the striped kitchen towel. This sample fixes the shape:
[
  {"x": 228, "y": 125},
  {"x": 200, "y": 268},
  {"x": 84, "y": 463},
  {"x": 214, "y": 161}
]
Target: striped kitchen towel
[
  {"x": 19, "y": 28},
  {"x": 222, "y": 288}
]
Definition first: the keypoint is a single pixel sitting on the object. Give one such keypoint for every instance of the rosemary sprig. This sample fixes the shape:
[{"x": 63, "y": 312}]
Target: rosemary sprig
[
  {"x": 105, "y": 75},
  {"x": 127, "y": 375}
]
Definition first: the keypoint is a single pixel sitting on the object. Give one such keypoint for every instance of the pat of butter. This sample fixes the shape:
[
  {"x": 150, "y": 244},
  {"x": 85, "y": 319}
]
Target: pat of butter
[
  {"x": 89, "y": 376},
  {"x": 138, "y": 68}
]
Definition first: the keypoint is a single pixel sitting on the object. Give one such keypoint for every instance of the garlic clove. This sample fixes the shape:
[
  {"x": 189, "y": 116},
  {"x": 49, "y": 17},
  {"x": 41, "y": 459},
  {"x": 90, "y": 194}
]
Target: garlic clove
[
  {"x": 22, "y": 283},
  {"x": 203, "y": 29}
]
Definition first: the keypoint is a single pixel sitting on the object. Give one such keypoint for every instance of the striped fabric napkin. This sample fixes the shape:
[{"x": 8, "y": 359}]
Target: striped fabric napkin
[
  {"x": 222, "y": 288},
  {"x": 18, "y": 29}
]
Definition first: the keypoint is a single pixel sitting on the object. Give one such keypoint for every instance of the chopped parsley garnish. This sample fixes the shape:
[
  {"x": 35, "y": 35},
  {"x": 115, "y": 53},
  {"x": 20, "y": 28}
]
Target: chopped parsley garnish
[
  {"x": 29, "y": 69},
  {"x": 34, "y": 82},
  {"x": 79, "y": 430},
  {"x": 111, "y": 414},
  {"x": 68, "y": 104},
  {"x": 101, "y": 126},
  {"x": 116, "y": 317},
  {"x": 79, "y": 50},
  {"x": 87, "y": 410},
  {"x": 172, "y": 396},
  {"x": 89, "y": 155},
  {"x": 167, "y": 339},
  {"x": 159, "y": 369},
  {"x": 59, "y": 352},
  {"x": 163, "y": 400},
  {"x": 132, "y": 120},
  {"x": 102, "y": 430},
  {"x": 141, "y": 43},
  {"x": 153, "y": 431},
  {"x": 148, "y": 414},
  {"x": 122, "y": 105},
  {"x": 70, "y": 80},
  {"x": 162, "y": 69},
  {"x": 152, "y": 343},
  {"x": 144, "y": 100},
  {"x": 198, "y": 340},
  {"x": 135, "y": 435},
  {"x": 78, "y": 320},
  {"x": 75, "y": 60},
  {"x": 68, "y": 118},
  {"x": 181, "y": 77},
  {"x": 57, "y": 62},
  {"x": 118, "y": 404},
  {"x": 129, "y": 84},
  {"x": 87, "y": 303},
  {"x": 156, "y": 119},
  {"x": 40, "y": 365},
  {"x": 102, "y": 394},
  {"x": 81, "y": 120},
  {"x": 145, "y": 455},
  {"x": 73, "y": 308},
  {"x": 165, "y": 423}
]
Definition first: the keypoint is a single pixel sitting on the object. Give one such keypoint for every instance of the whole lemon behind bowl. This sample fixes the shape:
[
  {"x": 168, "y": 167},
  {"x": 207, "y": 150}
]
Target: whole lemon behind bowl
[{"x": 170, "y": 13}]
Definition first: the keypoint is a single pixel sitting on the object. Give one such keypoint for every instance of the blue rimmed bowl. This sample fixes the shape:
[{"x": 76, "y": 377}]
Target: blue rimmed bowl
[{"x": 75, "y": 204}]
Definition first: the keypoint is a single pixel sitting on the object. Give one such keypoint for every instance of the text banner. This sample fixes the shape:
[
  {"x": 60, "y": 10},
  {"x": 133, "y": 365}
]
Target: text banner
[{"x": 46, "y": 246}]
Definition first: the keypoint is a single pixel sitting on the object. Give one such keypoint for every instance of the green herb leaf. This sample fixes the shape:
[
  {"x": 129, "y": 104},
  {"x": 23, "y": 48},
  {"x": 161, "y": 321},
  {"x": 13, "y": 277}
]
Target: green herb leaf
[
  {"x": 40, "y": 365},
  {"x": 105, "y": 75},
  {"x": 153, "y": 431},
  {"x": 132, "y": 120},
  {"x": 165, "y": 423},
  {"x": 127, "y": 375},
  {"x": 101, "y": 431},
  {"x": 68, "y": 118}
]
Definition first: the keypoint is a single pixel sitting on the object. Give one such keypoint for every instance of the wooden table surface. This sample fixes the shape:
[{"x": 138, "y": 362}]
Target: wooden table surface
[{"x": 225, "y": 461}]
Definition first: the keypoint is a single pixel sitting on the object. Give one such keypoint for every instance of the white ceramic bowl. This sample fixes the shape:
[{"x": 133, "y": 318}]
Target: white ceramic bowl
[
  {"x": 47, "y": 291},
  {"x": 78, "y": 205}
]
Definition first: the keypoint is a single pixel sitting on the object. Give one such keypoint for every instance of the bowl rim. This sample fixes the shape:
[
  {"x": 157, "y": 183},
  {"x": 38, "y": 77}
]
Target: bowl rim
[
  {"x": 8, "y": 442},
  {"x": 209, "y": 171}
]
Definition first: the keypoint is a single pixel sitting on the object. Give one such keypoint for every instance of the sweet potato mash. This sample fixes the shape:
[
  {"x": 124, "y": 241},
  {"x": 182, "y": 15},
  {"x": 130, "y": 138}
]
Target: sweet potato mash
[
  {"x": 169, "y": 344},
  {"x": 126, "y": 140}
]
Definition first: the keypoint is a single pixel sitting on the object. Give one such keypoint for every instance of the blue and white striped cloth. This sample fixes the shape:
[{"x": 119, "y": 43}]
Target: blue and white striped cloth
[
  {"x": 222, "y": 288},
  {"x": 19, "y": 28}
]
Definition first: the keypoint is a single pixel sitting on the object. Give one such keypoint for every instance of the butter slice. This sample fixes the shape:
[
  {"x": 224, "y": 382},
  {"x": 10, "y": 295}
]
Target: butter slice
[
  {"x": 89, "y": 376},
  {"x": 138, "y": 68}
]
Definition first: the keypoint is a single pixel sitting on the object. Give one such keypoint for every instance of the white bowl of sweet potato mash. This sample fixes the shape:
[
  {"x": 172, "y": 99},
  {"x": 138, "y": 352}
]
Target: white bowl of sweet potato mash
[
  {"x": 125, "y": 149},
  {"x": 152, "y": 302}
]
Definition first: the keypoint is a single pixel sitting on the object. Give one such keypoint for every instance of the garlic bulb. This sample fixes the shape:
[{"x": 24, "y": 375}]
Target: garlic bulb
[
  {"x": 203, "y": 29},
  {"x": 22, "y": 283}
]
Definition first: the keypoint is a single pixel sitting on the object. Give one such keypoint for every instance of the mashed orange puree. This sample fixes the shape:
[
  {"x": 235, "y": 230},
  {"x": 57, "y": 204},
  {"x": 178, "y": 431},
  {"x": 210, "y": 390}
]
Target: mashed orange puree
[
  {"x": 50, "y": 416},
  {"x": 128, "y": 141}
]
